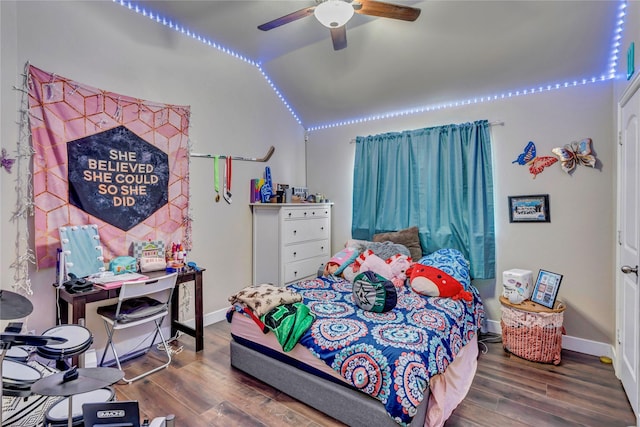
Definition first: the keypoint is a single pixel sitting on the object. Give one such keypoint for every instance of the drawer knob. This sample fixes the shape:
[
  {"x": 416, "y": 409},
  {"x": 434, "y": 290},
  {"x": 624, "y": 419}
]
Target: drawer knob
[
  {"x": 289, "y": 213},
  {"x": 295, "y": 231},
  {"x": 305, "y": 214},
  {"x": 322, "y": 228},
  {"x": 295, "y": 273},
  {"x": 295, "y": 254}
]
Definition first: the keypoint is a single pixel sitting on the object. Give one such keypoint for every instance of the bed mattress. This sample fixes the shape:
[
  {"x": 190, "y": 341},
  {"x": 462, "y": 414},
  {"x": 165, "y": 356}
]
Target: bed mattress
[
  {"x": 446, "y": 390},
  {"x": 245, "y": 330}
]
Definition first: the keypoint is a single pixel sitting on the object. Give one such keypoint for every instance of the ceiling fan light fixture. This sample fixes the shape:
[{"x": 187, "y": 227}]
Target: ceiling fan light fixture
[{"x": 333, "y": 13}]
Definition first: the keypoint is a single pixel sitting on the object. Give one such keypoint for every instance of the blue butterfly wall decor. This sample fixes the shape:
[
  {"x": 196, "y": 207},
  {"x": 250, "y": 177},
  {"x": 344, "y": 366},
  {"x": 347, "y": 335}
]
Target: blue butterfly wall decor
[{"x": 536, "y": 164}]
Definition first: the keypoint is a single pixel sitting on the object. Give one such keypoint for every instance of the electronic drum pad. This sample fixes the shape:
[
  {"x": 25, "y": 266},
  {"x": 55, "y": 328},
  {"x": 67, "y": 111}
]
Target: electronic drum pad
[{"x": 14, "y": 306}]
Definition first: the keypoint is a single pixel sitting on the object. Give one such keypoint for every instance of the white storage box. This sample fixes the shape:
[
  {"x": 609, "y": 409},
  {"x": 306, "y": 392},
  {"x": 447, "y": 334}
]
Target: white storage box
[{"x": 517, "y": 285}]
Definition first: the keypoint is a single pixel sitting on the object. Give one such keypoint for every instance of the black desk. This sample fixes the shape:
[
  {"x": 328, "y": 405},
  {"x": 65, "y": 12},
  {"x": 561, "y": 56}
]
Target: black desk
[{"x": 79, "y": 301}]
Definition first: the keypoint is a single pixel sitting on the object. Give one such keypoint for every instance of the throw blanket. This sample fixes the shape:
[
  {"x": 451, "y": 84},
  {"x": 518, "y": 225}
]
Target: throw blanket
[
  {"x": 390, "y": 356},
  {"x": 263, "y": 298},
  {"x": 288, "y": 322}
]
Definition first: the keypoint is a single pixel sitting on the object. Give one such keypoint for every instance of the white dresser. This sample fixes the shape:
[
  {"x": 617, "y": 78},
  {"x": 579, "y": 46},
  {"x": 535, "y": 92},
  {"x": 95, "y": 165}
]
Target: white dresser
[{"x": 291, "y": 241}]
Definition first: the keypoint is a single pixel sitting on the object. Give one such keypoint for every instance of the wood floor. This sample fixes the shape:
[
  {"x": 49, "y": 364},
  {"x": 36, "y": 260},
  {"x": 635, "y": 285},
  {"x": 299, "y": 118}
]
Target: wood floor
[{"x": 202, "y": 389}]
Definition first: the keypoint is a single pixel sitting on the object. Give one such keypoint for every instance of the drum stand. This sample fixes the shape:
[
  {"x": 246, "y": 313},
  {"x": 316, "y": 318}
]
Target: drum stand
[
  {"x": 71, "y": 374},
  {"x": 76, "y": 381},
  {"x": 3, "y": 349},
  {"x": 68, "y": 383},
  {"x": 12, "y": 306}
]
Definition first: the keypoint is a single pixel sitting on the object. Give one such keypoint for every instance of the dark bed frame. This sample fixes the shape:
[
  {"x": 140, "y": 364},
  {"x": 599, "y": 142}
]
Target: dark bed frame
[{"x": 341, "y": 402}]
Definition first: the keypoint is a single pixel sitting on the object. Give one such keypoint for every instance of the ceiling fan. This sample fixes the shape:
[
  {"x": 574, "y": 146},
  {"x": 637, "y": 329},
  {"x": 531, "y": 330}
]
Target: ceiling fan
[{"x": 334, "y": 14}]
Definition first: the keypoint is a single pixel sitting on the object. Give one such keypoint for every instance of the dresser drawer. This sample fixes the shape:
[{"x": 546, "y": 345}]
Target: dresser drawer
[
  {"x": 299, "y": 270},
  {"x": 290, "y": 241},
  {"x": 292, "y": 253},
  {"x": 306, "y": 212},
  {"x": 305, "y": 229}
]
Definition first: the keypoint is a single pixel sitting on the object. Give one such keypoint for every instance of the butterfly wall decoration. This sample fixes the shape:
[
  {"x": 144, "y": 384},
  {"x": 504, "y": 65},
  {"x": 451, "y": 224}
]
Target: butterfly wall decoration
[
  {"x": 574, "y": 154},
  {"x": 5, "y": 161},
  {"x": 536, "y": 164}
]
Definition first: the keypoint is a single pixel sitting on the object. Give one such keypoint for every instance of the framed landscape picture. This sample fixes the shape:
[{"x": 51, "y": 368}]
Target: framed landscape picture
[
  {"x": 534, "y": 208},
  {"x": 546, "y": 288}
]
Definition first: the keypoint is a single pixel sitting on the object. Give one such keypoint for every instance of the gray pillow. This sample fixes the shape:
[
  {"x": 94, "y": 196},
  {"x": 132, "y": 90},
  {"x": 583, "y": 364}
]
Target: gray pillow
[
  {"x": 407, "y": 237},
  {"x": 387, "y": 249}
]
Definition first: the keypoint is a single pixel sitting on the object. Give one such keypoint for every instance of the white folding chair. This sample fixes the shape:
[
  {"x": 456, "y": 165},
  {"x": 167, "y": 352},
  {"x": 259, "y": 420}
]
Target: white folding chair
[{"x": 136, "y": 307}]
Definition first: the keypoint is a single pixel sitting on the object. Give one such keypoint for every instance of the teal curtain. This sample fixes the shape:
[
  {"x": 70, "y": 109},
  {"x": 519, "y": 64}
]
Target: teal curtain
[{"x": 439, "y": 179}]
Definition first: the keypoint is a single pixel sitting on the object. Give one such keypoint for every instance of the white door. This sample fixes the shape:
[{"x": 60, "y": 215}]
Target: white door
[{"x": 629, "y": 240}]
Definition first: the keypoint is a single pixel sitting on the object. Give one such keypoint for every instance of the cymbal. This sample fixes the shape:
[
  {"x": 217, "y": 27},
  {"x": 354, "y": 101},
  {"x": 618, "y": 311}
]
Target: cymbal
[
  {"x": 67, "y": 383},
  {"x": 13, "y": 305},
  {"x": 33, "y": 340}
]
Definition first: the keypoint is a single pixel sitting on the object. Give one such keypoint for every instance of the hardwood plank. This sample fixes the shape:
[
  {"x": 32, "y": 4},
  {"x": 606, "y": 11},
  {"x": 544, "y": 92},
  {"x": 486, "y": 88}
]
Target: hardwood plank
[
  {"x": 195, "y": 384},
  {"x": 467, "y": 414},
  {"x": 154, "y": 401},
  {"x": 226, "y": 414},
  {"x": 569, "y": 411},
  {"x": 603, "y": 405},
  {"x": 202, "y": 389},
  {"x": 524, "y": 412}
]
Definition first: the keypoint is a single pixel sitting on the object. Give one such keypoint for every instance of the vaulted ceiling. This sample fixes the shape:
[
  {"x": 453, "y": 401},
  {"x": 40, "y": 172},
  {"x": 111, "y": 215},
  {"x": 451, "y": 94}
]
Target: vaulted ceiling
[{"x": 456, "y": 51}]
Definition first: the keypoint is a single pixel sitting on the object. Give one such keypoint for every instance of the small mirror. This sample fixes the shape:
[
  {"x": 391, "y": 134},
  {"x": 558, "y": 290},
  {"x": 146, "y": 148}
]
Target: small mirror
[{"x": 82, "y": 249}]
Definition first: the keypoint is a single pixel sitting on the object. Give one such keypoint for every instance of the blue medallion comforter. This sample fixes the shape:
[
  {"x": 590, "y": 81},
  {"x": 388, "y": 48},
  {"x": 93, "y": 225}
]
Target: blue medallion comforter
[{"x": 391, "y": 355}]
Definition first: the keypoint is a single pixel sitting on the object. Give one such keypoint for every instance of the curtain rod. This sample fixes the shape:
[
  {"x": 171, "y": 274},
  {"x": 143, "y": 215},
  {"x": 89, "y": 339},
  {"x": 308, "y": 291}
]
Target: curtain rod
[
  {"x": 494, "y": 123},
  {"x": 246, "y": 159}
]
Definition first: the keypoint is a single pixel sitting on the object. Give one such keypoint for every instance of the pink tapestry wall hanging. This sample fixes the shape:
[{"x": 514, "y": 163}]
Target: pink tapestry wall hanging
[{"x": 107, "y": 159}]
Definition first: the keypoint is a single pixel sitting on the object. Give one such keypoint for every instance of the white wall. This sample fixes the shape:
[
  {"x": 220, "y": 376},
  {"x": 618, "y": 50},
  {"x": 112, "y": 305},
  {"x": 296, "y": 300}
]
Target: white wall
[
  {"x": 579, "y": 241},
  {"x": 234, "y": 112}
]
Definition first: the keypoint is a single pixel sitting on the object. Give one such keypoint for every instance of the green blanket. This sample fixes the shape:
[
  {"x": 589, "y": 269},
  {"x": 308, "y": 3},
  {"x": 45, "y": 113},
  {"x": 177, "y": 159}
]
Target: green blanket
[{"x": 288, "y": 322}]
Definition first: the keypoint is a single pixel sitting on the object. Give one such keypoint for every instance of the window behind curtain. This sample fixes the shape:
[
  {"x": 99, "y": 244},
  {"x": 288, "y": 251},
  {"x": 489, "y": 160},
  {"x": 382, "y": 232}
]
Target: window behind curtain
[{"x": 439, "y": 179}]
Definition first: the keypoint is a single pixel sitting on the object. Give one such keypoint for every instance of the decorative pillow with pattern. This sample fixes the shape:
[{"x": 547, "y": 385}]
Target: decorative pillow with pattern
[
  {"x": 452, "y": 262},
  {"x": 373, "y": 292}
]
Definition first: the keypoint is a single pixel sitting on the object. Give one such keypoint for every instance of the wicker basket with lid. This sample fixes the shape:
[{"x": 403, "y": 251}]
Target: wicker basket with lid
[{"x": 532, "y": 331}]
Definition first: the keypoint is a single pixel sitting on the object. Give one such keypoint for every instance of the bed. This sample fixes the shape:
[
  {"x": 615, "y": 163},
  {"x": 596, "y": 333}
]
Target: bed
[{"x": 409, "y": 366}]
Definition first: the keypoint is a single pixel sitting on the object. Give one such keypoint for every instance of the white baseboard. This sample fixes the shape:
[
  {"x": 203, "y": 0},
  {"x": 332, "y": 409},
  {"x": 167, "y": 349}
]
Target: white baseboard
[
  {"x": 209, "y": 318},
  {"x": 593, "y": 348},
  {"x": 215, "y": 317}
]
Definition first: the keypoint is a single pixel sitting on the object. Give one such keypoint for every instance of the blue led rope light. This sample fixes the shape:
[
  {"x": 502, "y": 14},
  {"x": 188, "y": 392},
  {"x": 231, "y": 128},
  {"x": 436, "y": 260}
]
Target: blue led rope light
[
  {"x": 612, "y": 69},
  {"x": 179, "y": 28}
]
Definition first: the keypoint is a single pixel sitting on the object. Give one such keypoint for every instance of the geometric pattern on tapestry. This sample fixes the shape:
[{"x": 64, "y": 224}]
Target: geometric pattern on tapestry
[{"x": 63, "y": 111}]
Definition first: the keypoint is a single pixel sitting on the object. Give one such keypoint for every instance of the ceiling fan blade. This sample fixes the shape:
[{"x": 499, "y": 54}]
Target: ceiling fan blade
[
  {"x": 294, "y": 16},
  {"x": 387, "y": 10},
  {"x": 339, "y": 37}
]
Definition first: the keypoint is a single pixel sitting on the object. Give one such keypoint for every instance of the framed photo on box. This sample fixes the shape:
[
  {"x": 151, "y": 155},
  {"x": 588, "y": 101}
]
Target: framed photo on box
[
  {"x": 546, "y": 288},
  {"x": 534, "y": 208}
]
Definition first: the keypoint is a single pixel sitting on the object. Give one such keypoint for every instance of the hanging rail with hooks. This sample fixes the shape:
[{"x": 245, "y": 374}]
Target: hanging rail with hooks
[{"x": 245, "y": 159}]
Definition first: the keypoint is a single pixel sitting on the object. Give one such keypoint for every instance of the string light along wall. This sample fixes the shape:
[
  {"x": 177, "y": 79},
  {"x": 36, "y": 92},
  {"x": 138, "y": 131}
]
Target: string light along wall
[{"x": 609, "y": 75}]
